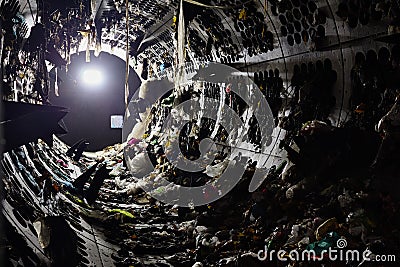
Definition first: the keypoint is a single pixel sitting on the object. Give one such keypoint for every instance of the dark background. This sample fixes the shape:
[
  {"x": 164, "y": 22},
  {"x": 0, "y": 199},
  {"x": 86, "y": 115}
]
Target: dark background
[{"x": 91, "y": 106}]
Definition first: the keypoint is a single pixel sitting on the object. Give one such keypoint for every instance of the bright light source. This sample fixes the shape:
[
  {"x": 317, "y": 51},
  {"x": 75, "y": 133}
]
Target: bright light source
[{"x": 92, "y": 77}]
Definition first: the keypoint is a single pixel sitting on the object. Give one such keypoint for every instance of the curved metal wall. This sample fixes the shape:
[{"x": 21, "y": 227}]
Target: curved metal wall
[{"x": 340, "y": 44}]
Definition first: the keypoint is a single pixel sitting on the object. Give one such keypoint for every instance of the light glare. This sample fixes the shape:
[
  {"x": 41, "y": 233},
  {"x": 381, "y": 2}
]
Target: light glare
[{"x": 92, "y": 77}]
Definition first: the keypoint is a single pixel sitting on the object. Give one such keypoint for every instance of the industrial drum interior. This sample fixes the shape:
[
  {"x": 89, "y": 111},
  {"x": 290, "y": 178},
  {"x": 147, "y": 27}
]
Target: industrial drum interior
[{"x": 195, "y": 133}]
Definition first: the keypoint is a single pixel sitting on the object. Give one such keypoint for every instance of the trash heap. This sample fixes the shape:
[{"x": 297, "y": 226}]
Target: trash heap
[
  {"x": 292, "y": 210},
  {"x": 337, "y": 190}
]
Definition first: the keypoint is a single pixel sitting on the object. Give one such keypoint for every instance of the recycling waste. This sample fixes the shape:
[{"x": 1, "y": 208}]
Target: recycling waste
[
  {"x": 334, "y": 190},
  {"x": 57, "y": 216}
]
